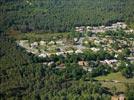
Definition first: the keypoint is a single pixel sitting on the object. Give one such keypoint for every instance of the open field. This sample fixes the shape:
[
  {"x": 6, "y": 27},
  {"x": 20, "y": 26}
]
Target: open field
[
  {"x": 119, "y": 81},
  {"x": 39, "y": 36},
  {"x": 116, "y": 76}
]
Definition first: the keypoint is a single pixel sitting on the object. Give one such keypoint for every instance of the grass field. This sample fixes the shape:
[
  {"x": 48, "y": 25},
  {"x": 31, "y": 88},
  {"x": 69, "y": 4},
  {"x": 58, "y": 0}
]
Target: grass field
[
  {"x": 120, "y": 85},
  {"x": 39, "y": 36}
]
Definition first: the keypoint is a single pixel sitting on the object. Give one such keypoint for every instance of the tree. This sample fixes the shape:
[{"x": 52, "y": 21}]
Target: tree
[
  {"x": 114, "y": 89},
  {"x": 130, "y": 92},
  {"x": 128, "y": 72}
]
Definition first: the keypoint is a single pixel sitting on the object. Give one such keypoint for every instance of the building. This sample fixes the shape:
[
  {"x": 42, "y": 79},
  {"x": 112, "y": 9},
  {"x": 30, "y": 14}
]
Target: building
[
  {"x": 102, "y": 29},
  {"x": 51, "y": 43},
  {"x": 70, "y": 51},
  {"x": 43, "y": 55},
  {"x": 95, "y": 49},
  {"x": 120, "y": 97},
  {"x": 23, "y": 43},
  {"x": 42, "y": 43},
  {"x": 114, "y": 98},
  {"x": 131, "y": 59},
  {"x": 59, "y": 53},
  {"x": 89, "y": 69},
  {"x": 80, "y": 29},
  {"x": 109, "y": 62},
  {"x": 132, "y": 51},
  {"x": 76, "y": 39},
  {"x": 78, "y": 51},
  {"x": 34, "y": 44},
  {"x": 51, "y": 63},
  {"x": 83, "y": 63},
  {"x": 59, "y": 42},
  {"x": 61, "y": 66}
]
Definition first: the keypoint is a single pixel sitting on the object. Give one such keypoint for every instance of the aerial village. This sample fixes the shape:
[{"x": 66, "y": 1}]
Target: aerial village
[{"x": 94, "y": 42}]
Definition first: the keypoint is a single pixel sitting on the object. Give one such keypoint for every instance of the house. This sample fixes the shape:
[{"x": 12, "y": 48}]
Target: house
[
  {"x": 80, "y": 29},
  {"x": 96, "y": 42},
  {"x": 71, "y": 51},
  {"x": 58, "y": 49},
  {"x": 121, "y": 25},
  {"x": 121, "y": 97},
  {"x": 101, "y": 29},
  {"x": 129, "y": 31},
  {"x": 34, "y": 44},
  {"x": 34, "y": 51},
  {"x": 83, "y": 63},
  {"x": 42, "y": 51},
  {"x": 51, "y": 43},
  {"x": 95, "y": 49},
  {"x": 59, "y": 42},
  {"x": 89, "y": 69},
  {"x": 59, "y": 53},
  {"x": 43, "y": 55},
  {"x": 23, "y": 43},
  {"x": 42, "y": 43},
  {"x": 78, "y": 51},
  {"x": 28, "y": 2},
  {"x": 45, "y": 63},
  {"x": 109, "y": 62},
  {"x": 110, "y": 41},
  {"x": 116, "y": 55},
  {"x": 88, "y": 28},
  {"x": 51, "y": 63},
  {"x": 120, "y": 50},
  {"x": 132, "y": 51},
  {"x": 86, "y": 42},
  {"x": 61, "y": 66},
  {"x": 114, "y": 98},
  {"x": 98, "y": 31},
  {"x": 131, "y": 59},
  {"x": 76, "y": 39},
  {"x": 118, "y": 97}
]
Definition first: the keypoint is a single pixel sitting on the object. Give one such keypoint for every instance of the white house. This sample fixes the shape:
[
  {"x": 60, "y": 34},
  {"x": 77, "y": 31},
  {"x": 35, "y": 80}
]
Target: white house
[
  {"x": 42, "y": 43},
  {"x": 43, "y": 55},
  {"x": 59, "y": 42},
  {"x": 78, "y": 51},
  {"x": 95, "y": 49},
  {"x": 51, "y": 43},
  {"x": 51, "y": 63},
  {"x": 34, "y": 44},
  {"x": 59, "y": 53},
  {"x": 71, "y": 51}
]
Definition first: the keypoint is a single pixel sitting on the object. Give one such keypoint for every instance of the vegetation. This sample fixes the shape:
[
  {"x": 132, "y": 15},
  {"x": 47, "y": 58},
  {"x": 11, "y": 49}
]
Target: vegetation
[
  {"x": 23, "y": 78},
  {"x": 62, "y": 15},
  {"x": 130, "y": 92},
  {"x": 120, "y": 85}
]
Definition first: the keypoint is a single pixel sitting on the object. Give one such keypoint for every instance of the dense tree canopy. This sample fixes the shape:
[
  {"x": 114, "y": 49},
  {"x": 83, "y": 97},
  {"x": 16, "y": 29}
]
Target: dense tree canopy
[
  {"x": 22, "y": 77},
  {"x": 62, "y": 15}
]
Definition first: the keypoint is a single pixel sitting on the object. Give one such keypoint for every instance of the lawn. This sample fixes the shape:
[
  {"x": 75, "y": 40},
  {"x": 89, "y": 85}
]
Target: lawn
[
  {"x": 116, "y": 76},
  {"x": 120, "y": 87},
  {"x": 40, "y": 36}
]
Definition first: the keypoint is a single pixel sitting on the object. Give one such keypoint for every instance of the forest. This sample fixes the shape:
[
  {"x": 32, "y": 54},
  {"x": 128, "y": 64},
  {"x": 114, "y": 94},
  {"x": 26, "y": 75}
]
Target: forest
[
  {"x": 62, "y": 15},
  {"x": 23, "y": 79},
  {"x": 23, "y": 76}
]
